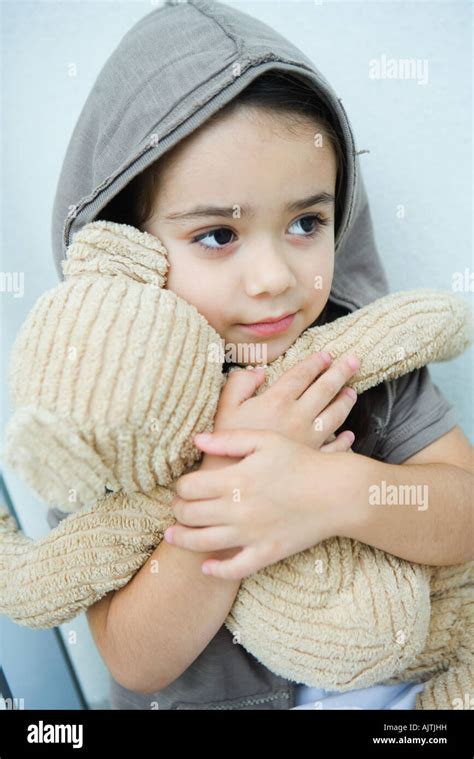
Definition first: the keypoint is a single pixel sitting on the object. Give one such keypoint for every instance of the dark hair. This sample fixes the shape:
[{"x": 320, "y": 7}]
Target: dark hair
[{"x": 283, "y": 95}]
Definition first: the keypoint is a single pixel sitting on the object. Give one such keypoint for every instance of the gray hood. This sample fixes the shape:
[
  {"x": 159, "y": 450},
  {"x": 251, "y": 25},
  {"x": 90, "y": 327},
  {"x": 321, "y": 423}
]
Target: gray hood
[{"x": 173, "y": 70}]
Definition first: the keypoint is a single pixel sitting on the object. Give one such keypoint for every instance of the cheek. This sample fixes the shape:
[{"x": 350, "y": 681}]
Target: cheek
[
  {"x": 213, "y": 305},
  {"x": 178, "y": 282},
  {"x": 316, "y": 274}
]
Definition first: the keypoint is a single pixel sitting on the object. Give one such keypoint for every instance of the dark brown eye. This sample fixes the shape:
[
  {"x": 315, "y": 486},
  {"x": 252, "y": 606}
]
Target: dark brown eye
[
  {"x": 221, "y": 236},
  {"x": 313, "y": 221}
]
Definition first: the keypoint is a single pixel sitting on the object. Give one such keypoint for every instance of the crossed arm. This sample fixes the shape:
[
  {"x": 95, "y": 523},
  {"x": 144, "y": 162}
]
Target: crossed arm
[
  {"x": 427, "y": 517},
  {"x": 154, "y": 610}
]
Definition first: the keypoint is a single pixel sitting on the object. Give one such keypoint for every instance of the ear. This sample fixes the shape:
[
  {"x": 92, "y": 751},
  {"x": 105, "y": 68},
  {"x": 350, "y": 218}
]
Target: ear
[{"x": 54, "y": 459}]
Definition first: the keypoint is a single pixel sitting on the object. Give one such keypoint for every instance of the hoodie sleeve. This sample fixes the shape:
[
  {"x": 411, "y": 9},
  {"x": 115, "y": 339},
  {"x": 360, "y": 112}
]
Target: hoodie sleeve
[{"x": 420, "y": 415}]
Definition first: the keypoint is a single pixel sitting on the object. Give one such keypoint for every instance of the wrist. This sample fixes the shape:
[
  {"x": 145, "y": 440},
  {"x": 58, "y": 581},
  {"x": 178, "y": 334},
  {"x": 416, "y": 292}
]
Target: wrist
[
  {"x": 345, "y": 505},
  {"x": 356, "y": 512},
  {"x": 192, "y": 560}
]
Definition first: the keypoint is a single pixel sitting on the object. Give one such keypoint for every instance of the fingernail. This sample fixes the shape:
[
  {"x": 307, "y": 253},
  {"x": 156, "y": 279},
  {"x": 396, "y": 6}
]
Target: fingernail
[
  {"x": 353, "y": 362},
  {"x": 203, "y": 436},
  {"x": 206, "y": 569},
  {"x": 351, "y": 393},
  {"x": 352, "y": 436},
  {"x": 326, "y": 356}
]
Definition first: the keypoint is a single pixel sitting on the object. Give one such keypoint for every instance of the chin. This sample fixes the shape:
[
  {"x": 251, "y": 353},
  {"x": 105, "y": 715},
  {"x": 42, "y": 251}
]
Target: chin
[
  {"x": 275, "y": 349},
  {"x": 259, "y": 351}
]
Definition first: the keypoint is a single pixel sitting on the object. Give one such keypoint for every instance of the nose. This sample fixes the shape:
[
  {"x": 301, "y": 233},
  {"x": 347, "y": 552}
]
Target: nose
[{"x": 267, "y": 271}]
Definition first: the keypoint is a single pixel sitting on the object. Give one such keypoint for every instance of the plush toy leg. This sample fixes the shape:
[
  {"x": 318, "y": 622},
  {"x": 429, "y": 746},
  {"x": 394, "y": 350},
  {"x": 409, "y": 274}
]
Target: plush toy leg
[
  {"x": 48, "y": 582},
  {"x": 340, "y": 615},
  {"x": 450, "y": 645}
]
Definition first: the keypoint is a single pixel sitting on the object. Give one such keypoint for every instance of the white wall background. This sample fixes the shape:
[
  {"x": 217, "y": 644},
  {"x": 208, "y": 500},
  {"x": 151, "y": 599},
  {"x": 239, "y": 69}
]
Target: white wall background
[{"x": 419, "y": 137}]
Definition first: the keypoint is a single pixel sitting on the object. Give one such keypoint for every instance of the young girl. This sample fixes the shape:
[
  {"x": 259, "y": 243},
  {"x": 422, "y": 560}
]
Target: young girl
[{"x": 209, "y": 130}]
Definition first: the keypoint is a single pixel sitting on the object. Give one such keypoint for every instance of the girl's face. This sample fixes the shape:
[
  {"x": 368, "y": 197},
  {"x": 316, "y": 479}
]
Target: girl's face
[{"x": 248, "y": 239}]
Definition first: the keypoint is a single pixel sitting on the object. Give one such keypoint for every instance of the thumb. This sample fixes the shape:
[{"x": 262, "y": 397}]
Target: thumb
[
  {"x": 242, "y": 383},
  {"x": 236, "y": 443}
]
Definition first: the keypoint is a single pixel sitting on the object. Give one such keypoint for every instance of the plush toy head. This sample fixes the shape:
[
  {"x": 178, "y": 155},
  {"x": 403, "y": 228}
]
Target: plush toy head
[{"x": 111, "y": 374}]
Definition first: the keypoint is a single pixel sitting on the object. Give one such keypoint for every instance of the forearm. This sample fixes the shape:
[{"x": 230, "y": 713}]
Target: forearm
[
  {"x": 162, "y": 620},
  {"x": 419, "y": 512},
  {"x": 157, "y": 624}
]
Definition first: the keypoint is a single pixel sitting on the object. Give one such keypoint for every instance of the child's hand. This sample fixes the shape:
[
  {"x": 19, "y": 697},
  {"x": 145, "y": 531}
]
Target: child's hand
[
  {"x": 281, "y": 498},
  {"x": 306, "y": 403}
]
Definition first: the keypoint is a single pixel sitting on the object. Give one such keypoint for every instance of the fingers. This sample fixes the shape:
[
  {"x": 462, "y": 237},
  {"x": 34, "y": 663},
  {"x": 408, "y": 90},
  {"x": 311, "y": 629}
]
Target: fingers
[
  {"x": 201, "y": 539},
  {"x": 198, "y": 513},
  {"x": 232, "y": 446},
  {"x": 297, "y": 379},
  {"x": 243, "y": 564},
  {"x": 326, "y": 387},
  {"x": 200, "y": 486},
  {"x": 241, "y": 385},
  {"x": 342, "y": 443},
  {"x": 336, "y": 413}
]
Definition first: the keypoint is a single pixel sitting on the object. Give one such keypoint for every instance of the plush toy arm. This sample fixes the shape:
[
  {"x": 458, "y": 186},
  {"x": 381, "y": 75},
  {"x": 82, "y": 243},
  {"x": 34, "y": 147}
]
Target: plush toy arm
[
  {"x": 52, "y": 580},
  {"x": 392, "y": 336}
]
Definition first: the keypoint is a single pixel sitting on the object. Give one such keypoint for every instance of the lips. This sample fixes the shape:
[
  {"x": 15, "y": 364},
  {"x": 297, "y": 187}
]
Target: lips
[
  {"x": 271, "y": 320},
  {"x": 270, "y": 327}
]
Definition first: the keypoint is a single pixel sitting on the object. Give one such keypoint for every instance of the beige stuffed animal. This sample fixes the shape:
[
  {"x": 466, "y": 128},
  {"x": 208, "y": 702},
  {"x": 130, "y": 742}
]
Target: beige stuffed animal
[{"x": 111, "y": 377}]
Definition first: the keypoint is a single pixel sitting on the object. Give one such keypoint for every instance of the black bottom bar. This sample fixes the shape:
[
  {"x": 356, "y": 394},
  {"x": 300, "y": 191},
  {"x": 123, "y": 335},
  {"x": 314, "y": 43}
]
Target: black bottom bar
[{"x": 26, "y": 733}]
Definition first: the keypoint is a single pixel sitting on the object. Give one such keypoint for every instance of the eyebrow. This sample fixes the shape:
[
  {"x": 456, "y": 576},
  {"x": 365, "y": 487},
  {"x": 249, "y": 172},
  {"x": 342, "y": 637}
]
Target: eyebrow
[{"x": 247, "y": 211}]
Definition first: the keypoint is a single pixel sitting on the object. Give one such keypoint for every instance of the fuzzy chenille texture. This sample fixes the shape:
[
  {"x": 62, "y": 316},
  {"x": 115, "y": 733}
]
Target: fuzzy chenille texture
[{"x": 112, "y": 375}]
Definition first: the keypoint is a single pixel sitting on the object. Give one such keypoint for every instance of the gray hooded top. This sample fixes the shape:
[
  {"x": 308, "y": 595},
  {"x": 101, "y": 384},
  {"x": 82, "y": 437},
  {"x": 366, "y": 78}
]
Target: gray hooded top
[{"x": 175, "y": 68}]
